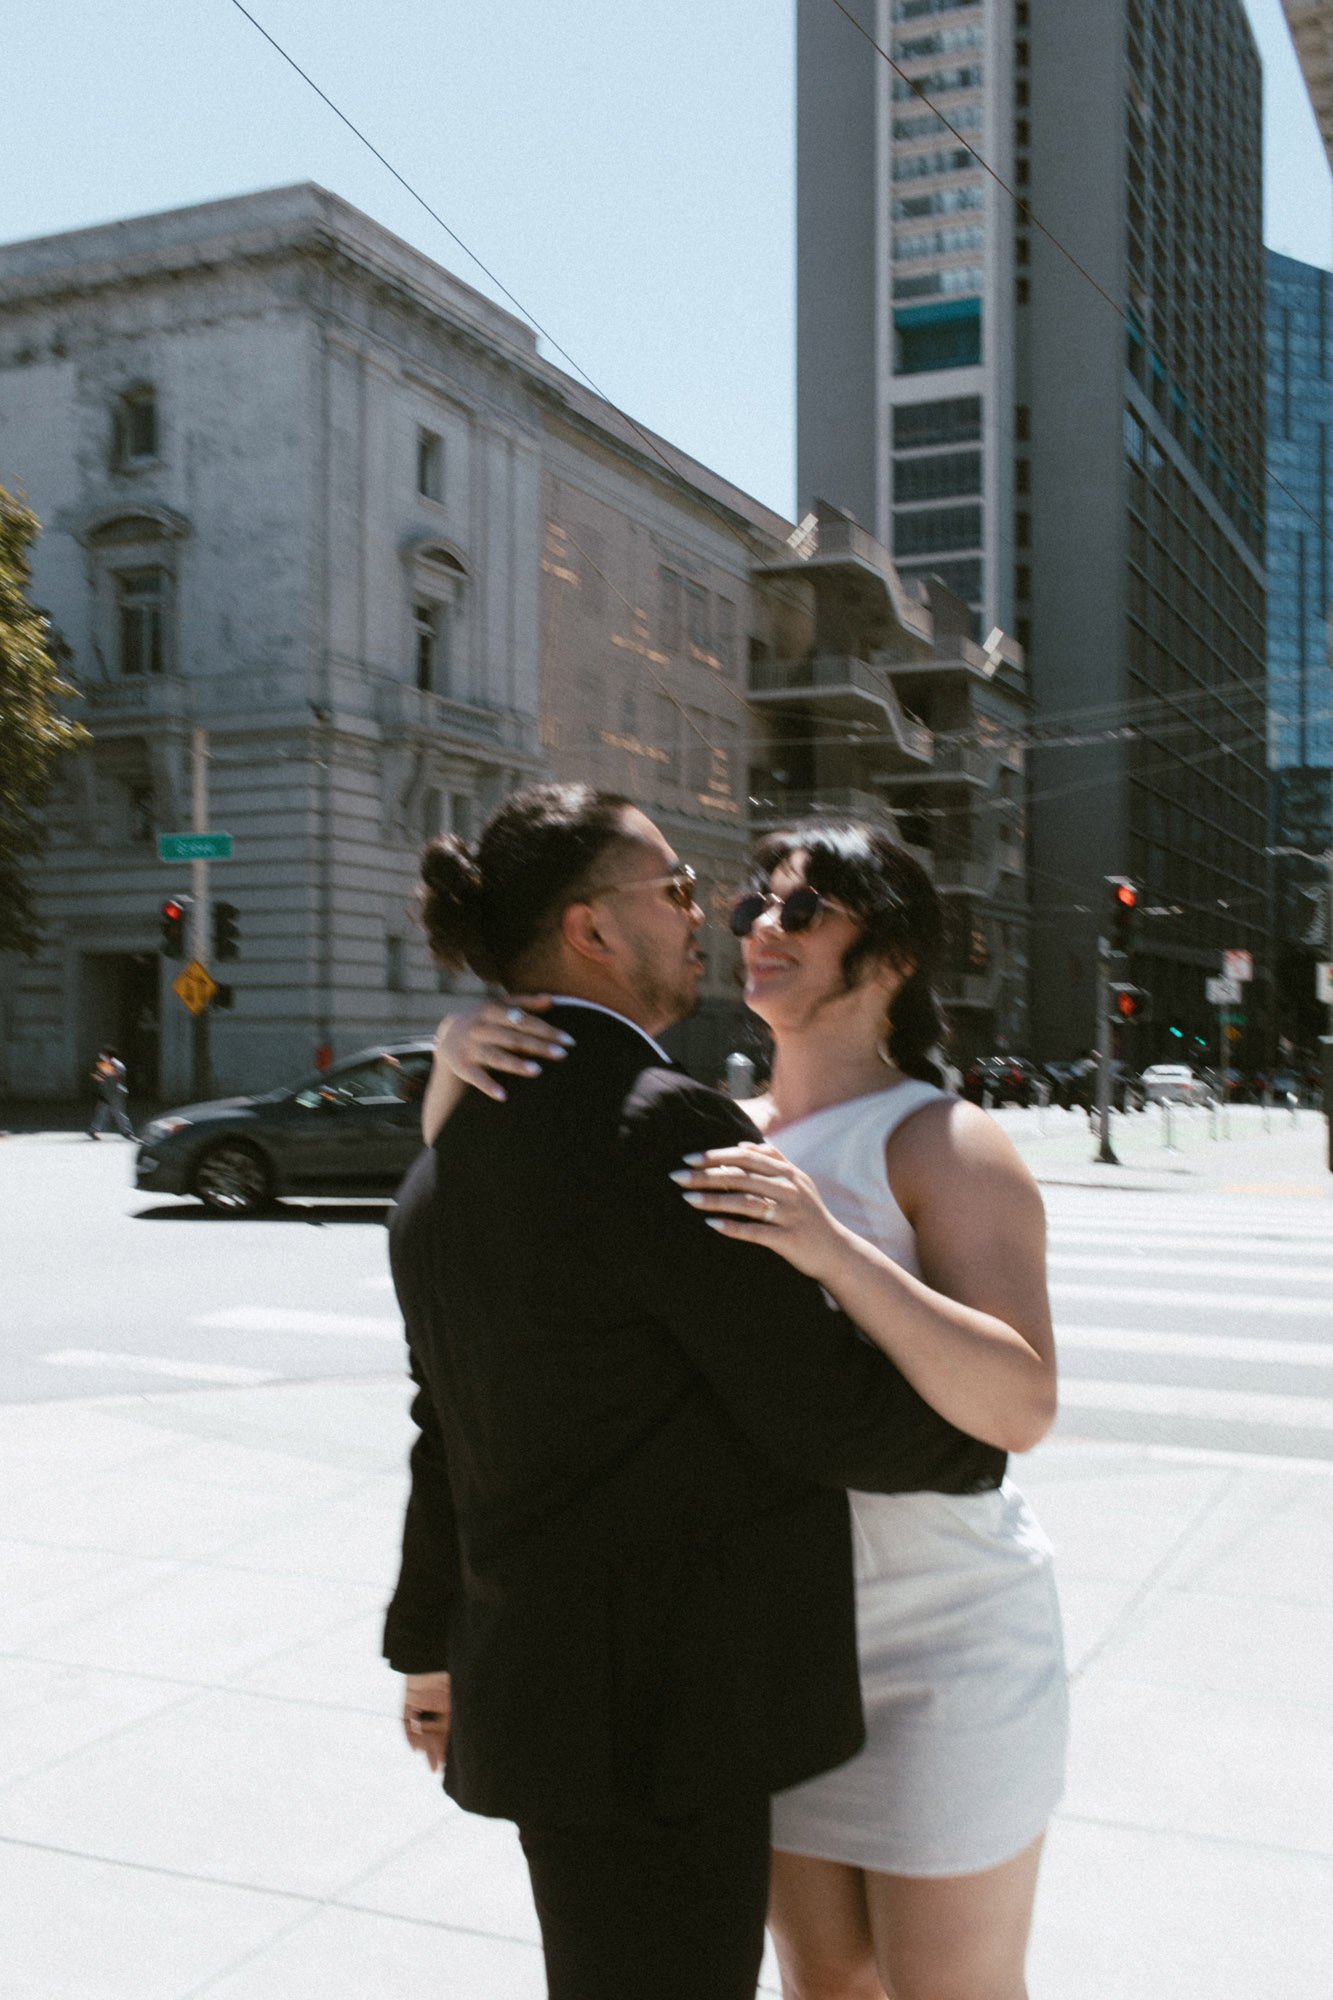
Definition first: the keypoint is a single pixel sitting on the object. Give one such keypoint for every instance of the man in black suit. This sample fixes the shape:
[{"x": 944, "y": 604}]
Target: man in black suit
[{"x": 626, "y": 1587}]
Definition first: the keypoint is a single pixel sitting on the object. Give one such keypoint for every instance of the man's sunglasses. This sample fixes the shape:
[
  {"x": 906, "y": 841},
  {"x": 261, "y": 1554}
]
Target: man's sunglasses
[
  {"x": 796, "y": 912},
  {"x": 680, "y": 886}
]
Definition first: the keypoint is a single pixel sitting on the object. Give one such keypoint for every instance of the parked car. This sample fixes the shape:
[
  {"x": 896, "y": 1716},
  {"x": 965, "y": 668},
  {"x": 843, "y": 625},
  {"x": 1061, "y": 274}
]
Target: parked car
[
  {"x": 1002, "y": 1079},
  {"x": 1077, "y": 1089},
  {"x": 1173, "y": 1083},
  {"x": 353, "y": 1129}
]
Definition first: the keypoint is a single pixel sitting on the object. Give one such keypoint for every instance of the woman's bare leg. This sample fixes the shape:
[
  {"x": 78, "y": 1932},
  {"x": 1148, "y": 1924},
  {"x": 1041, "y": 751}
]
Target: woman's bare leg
[
  {"x": 820, "y": 1923},
  {"x": 955, "y": 1937}
]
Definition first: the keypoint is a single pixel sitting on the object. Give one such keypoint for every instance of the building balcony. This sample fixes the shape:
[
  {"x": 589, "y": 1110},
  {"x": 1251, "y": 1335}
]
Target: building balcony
[
  {"x": 837, "y": 684},
  {"x": 404, "y": 710},
  {"x": 959, "y": 763},
  {"x": 783, "y": 807},
  {"x": 975, "y": 878},
  {"x": 136, "y": 702},
  {"x": 973, "y": 989},
  {"x": 829, "y": 541}
]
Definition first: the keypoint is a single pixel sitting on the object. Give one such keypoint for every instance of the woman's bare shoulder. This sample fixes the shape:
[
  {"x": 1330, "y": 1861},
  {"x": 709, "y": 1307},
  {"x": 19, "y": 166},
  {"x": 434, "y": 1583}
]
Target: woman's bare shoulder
[{"x": 948, "y": 1139}]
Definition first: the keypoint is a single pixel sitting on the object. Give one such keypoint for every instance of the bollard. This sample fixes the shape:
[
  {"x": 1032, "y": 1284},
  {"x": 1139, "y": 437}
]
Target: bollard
[
  {"x": 1169, "y": 1136},
  {"x": 1043, "y": 1099}
]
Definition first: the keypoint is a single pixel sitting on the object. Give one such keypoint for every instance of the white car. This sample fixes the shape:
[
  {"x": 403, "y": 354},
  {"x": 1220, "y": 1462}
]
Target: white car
[{"x": 1173, "y": 1083}]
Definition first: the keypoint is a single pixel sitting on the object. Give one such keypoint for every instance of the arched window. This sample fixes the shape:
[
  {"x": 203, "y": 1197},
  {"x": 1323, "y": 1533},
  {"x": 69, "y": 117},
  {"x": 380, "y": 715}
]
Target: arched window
[
  {"x": 439, "y": 586},
  {"x": 133, "y": 567}
]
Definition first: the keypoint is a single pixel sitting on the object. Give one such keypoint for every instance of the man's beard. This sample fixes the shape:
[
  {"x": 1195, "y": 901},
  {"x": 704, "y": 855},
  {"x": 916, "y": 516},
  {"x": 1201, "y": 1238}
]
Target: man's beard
[{"x": 663, "y": 997}]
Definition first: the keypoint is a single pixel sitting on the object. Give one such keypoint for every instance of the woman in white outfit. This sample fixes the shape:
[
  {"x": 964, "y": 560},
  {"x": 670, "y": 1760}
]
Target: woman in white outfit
[{"x": 910, "y": 1871}]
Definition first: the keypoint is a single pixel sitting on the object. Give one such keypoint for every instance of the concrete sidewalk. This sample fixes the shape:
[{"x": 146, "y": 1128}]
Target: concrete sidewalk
[
  {"x": 1242, "y": 1150},
  {"x": 203, "y": 1789}
]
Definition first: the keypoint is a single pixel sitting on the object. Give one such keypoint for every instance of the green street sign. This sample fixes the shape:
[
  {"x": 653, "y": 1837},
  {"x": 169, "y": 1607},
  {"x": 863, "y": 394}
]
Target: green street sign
[{"x": 194, "y": 847}]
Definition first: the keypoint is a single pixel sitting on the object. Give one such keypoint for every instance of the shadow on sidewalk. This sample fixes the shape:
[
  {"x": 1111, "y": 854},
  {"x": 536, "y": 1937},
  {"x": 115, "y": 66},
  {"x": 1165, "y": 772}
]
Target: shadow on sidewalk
[{"x": 315, "y": 1214}]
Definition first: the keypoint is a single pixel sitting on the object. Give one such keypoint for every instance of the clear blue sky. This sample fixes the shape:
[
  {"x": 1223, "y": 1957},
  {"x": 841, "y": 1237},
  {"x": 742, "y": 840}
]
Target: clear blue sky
[{"x": 625, "y": 167}]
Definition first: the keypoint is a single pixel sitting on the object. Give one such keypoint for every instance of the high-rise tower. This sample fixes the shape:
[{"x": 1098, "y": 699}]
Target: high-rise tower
[
  {"x": 1300, "y": 599},
  {"x": 1071, "y": 430}
]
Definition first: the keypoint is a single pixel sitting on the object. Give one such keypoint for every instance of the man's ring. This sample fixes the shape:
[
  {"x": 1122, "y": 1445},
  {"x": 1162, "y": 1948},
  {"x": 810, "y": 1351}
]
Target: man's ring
[
  {"x": 770, "y": 1207},
  {"x": 514, "y": 1016}
]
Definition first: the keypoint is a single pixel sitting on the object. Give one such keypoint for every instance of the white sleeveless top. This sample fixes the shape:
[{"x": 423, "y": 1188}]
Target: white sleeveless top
[
  {"x": 962, "y": 1664},
  {"x": 842, "y": 1150}
]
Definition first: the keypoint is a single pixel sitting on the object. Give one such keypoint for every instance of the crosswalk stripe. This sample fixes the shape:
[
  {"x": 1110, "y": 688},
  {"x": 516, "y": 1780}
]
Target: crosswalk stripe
[
  {"x": 1195, "y": 1346},
  {"x": 1316, "y": 1242},
  {"x": 1292, "y": 1271},
  {"x": 1165, "y": 1399},
  {"x": 1230, "y": 1303},
  {"x": 160, "y": 1364},
  {"x": 291, "y": 1319}
]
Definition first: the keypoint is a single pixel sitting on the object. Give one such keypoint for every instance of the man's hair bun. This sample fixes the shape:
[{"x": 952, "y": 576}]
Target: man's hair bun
[{"x": 451, "y": 902}]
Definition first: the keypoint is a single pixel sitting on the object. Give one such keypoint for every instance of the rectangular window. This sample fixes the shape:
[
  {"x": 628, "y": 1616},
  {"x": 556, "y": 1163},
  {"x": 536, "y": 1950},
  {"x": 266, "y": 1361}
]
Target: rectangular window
[
  {"x": 947, "y": 335},
  {"x": 430, "y": 642},
  {"x": 432, "y": 813},
  {"x": 430, "y": 465},
  {"x": 935, "y": 528},
  {"x": 726, "y": 635},
  {"x": 395, "y": 979},
  {"x": 920, "y": 424},
  {"x": 136, "y": 426},
  {"x": 141, "y": 615},
  {"x": 669, "y": 590},
  {"x": 939, "y": 477},
  {"x": 142, "y": 811},
  {"x": 696, "y": 616}
]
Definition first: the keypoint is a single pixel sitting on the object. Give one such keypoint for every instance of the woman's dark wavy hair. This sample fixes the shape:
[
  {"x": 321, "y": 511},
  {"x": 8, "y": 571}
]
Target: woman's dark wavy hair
[
  {"x": 487, "y": 906},
  {"x": 901, "y": 920}
]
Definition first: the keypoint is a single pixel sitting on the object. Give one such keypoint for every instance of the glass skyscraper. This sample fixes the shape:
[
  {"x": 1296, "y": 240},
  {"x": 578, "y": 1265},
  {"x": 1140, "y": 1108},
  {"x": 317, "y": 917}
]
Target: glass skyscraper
[
  {"x": 1300, "y": 464},
  {"x": 1300, "y": 602}
]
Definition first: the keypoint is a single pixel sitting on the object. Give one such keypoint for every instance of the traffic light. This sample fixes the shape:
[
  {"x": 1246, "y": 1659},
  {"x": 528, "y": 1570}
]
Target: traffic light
[
  {"x": 1124, "y": 911},
  {"x": 1130, "y": 1004},
  {"x": 226, "y": 930},
  {"x": 173, "y": 926}
]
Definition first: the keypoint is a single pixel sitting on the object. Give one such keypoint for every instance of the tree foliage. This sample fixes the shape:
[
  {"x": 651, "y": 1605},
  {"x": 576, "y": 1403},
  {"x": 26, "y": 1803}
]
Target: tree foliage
[{"x": 34, "y": 732}]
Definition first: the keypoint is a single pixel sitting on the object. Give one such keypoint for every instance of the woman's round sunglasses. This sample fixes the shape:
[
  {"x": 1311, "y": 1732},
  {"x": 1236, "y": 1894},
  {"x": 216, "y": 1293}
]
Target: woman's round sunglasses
[{"x": 796, "y": 912}]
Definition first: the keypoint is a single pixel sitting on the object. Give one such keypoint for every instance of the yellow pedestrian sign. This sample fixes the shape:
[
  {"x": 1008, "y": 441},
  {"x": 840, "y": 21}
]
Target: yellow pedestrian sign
[{"x": 195, "y": 986}]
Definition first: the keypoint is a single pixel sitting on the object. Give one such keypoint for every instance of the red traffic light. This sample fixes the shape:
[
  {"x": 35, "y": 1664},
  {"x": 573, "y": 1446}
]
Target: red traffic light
[
  {"x": 173, "y": 911},
  {"x": 1126, "y": 895},
  {"x": 1126, "y": 1005}
]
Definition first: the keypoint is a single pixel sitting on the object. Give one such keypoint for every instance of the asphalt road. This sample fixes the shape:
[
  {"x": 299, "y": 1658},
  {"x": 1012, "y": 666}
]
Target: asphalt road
[
  {"x": 105, "y": 1291},
  {"x": 1184, "y": 1317}
]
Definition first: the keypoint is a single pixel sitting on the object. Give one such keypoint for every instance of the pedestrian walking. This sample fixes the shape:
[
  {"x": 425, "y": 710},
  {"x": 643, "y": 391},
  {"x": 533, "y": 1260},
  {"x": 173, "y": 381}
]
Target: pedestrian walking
[
  {"x": 108, "y": 1074},
  {"x": 625, "y": 1605},
  {"x": 910, "y": 1869}
]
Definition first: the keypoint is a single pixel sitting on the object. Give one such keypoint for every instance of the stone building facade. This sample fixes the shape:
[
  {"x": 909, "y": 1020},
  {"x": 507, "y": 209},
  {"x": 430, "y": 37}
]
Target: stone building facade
[{"x": 301, "y": 487}]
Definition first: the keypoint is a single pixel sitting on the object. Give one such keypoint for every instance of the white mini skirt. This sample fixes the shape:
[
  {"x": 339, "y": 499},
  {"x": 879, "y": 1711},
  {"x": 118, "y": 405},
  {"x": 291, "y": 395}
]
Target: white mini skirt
[{"x": 963, "y": 1680}]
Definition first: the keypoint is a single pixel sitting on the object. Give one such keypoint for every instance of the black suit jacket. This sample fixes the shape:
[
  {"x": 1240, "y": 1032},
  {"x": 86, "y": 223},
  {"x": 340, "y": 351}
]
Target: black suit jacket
[{"x": 627, "y": 1536}]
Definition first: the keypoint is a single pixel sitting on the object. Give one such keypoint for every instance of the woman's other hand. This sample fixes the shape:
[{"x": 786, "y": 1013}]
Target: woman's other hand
[
  {"x": 754, "y": 1194},
  {"x": 499, "y": 1037}
]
